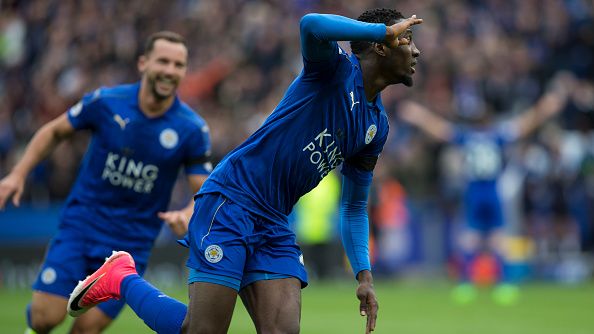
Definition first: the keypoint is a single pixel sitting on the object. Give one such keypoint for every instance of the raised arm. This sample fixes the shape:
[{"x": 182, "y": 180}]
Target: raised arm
[
  {"x": 354, "y": 226},
  {"x": 320, "y": 32},
  {"x": 419, "y": 116},
  {"x": 43, "y": 143},
  {"x": 547, "y": 106}
]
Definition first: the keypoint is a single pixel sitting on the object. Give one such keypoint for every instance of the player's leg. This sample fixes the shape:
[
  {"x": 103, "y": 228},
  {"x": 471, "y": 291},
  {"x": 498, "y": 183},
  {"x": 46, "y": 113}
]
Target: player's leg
[
  {"x": 275, "y": 274},
  {"x": 62, "y": 267},
  {"x": 220, "y": 235},
  {"x": 98, "y": 319},
  {"x": 210, "y": 308},
  {"x": 93, "y": 321},
  {"x": 274, "y": 305},
  {"x": 116, "y": 279},
  {"x": 46, "y": 311}
]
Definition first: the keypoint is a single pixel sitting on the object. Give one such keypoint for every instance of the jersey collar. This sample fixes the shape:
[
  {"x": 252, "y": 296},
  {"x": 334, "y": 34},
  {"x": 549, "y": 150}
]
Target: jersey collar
[{"x": 377, "y": 103}]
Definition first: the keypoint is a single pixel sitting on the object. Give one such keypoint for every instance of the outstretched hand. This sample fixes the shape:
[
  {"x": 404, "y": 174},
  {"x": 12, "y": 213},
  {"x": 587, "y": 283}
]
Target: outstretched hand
[
  {"x": 176, "y": 220},
  {"x": 393, "y": 32},
  {"x": 368, "y": 305},
  {"x": 11, "y": 185}
]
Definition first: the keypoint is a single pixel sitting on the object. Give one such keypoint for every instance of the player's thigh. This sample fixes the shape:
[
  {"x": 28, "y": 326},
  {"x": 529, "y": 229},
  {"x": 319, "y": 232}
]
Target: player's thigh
[
  {"x": 274, "y": 305},
  {"x": 47, "y": 310},
  {"x": 93, "y": 321},
  {"x": 210, "y": 308}
]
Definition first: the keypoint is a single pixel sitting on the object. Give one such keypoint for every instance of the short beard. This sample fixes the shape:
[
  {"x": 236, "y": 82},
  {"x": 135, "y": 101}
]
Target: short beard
[
  {"x": 407, "y": 81},
  {"x": 156, "y": 94}
]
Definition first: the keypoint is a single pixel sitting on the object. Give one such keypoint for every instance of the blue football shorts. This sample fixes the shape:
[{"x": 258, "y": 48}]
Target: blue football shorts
[
  {"x": 70, "y": 258},
  {"x": 235, "y": 247},
  {"x": 483, "y": 210}
]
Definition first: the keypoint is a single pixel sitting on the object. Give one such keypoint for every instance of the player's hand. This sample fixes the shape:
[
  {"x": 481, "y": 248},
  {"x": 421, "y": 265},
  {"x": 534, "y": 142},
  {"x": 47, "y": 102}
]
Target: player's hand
[
  {"x": 176, "y": 220},
  {"x": 368, "y": 305},
  {"x": 393, "y": 32},
  {"x": 12, "y": 185}
]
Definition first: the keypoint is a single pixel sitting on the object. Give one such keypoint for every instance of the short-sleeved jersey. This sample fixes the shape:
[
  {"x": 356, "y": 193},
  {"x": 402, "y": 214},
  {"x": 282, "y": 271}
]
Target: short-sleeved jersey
[
  {"x": 131, "y": 164},
  {"x": 322, "y": 121},
  {"x": 483, "y": 151}
]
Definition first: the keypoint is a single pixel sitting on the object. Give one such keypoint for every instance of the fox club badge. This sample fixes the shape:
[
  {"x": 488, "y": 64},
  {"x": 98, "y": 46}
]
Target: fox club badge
[
  {"x": 168, "y": 138},
  {"x": 213, "y": 253},
  {"x": 371, "y": 131}
]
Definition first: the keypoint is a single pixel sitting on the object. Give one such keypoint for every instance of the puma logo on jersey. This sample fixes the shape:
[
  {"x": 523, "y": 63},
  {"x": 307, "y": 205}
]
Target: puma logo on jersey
[
  {"x": 121, "y": 122},
  {"x": 353, "y": 100}
]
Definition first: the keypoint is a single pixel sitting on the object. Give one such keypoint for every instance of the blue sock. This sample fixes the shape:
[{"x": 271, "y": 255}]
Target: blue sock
[
  {"x": 501, "y": 265},
  {"x": 468, "y": 258},
  {"x": 28, "y": 313},
  {"x": 161, "y": 313}
]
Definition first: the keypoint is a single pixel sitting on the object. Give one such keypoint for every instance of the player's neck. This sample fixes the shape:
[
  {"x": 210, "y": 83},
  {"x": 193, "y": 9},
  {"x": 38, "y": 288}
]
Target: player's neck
[
  {"x": 152, "y": 106},
  {"x": 373, "y": 81}
]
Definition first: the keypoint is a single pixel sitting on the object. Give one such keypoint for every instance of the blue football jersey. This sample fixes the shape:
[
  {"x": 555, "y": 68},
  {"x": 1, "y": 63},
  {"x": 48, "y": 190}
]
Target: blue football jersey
[
  {"x": 131, "y": 164},
  {"x": 483, "y": 151},
  {"x": 322, "y": 121}
]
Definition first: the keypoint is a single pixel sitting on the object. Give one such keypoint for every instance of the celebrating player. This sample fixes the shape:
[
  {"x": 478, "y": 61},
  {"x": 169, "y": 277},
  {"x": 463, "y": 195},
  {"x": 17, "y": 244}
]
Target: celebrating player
[
  {"x": 239, "y": 238},
  {"x": 482, "y": 145},
  {"x": 142, "y": 134}
]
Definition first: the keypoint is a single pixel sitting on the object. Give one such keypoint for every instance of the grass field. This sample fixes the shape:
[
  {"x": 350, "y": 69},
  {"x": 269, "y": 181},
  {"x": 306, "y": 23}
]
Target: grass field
[{"x": 408, "y": 308}]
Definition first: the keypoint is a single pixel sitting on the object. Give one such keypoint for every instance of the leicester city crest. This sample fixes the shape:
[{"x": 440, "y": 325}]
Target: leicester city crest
[
  {"x": 213, "y": 253},
  {"x": 371, "y": 131},
  {"x": 168, "y": 138},
  {"x": 48, "y": 275}
]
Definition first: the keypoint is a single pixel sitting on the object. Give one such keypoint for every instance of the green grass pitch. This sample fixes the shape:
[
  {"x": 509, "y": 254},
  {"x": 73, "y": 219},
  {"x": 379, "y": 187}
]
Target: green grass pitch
[{"x": 405, "y": 307}]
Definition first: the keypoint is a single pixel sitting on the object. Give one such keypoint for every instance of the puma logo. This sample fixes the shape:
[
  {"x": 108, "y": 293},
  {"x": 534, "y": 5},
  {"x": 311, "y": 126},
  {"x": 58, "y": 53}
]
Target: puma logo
[
  {"x": 353, "y": 100},
  {"x": 121, "y": 122}
]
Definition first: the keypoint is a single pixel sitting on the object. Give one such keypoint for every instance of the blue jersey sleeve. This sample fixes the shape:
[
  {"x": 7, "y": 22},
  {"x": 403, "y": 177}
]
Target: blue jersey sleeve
[
  {"x": 197, "y": 159},
  {"x": 354, "y": 224},
  {"x": 84, "y": 115},
  {"x": 319, "y": 33}
]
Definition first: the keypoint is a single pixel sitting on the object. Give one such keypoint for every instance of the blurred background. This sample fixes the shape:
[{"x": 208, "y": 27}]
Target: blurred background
[{"x": 492, "y": 56}]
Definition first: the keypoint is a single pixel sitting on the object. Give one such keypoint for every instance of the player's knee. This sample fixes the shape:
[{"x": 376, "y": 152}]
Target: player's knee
[
  {"x": 92, "y": 322},
  {"x": 294, "y": 329},
  {"x": 85, "y": 328},
  {"x": 282, "y": 326},
  {"x": 44, "y": 319}
]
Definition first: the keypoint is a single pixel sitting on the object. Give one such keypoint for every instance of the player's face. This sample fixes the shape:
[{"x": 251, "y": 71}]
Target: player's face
[
  {"x": 399, "y": 63},
  {"x": 164, "y": 67}
]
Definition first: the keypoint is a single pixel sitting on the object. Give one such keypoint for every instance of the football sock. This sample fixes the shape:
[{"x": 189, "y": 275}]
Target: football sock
[
  {"x": 161, "y": 313},
  {"x": 28, "y": 313},
  {"x": 468, "y": 258}
]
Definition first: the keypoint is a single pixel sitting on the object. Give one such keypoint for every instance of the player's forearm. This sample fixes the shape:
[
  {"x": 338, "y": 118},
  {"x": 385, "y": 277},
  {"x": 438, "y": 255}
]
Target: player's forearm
[
  {"x": 354, "y": 225},
  {"x": 189, "y": 209},
  {"x": 41, "y": 145},
  {"x": 319, "y": 33},
  {"x": 329, "y": 27},
  {"x": 365, "y": 276}
]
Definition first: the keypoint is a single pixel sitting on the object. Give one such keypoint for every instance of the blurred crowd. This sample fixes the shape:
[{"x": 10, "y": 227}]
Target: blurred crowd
[{"x": 491, "y": 56}]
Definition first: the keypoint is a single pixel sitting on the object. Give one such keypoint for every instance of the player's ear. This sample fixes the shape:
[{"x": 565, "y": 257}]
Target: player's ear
[
  {"x": 141, "y": 63},
  {"x": 379, "y": 49}
]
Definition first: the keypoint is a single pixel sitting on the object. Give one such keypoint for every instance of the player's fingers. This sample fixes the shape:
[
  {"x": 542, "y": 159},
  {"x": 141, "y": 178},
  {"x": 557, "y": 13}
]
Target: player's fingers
[
  {"x": 363, "y": 308},
  {"x": 413, "y": 20},
  {"x": 4, "y": 195},
  {"x": 16, "y": 198},
  {"x": 372, "y": 315}
]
